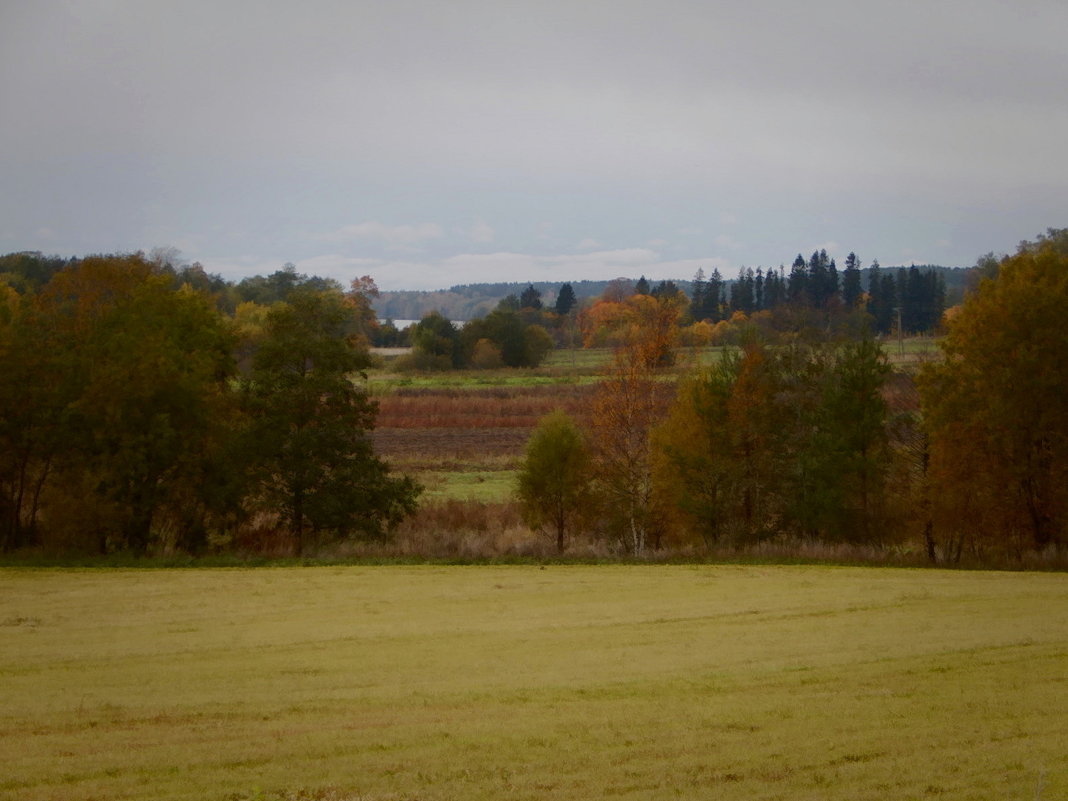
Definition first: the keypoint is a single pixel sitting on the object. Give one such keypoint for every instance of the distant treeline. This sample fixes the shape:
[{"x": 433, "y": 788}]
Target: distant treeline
[
  {"x": 752, "y": 289},
  {"x": 470, "y": 301}
]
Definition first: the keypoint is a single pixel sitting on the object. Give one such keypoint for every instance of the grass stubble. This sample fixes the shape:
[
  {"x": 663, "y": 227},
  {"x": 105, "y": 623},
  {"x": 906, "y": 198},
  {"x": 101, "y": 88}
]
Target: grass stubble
[{"x": 563, "y": 682}]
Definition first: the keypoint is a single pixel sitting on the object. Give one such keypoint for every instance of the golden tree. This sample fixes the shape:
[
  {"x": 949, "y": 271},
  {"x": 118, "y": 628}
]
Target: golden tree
[
  {"x": 628, "y": 403},
  {"x": 997, "y": 406},
  {"x": 647, "y": 327}
]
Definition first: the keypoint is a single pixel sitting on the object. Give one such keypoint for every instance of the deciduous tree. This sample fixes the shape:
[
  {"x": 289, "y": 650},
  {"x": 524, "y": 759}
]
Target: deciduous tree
[
  {"x": 553, "y": 486},
  {"x": 996, "y": 406},
  {"x": 627, "y": 405},
  {"x": 309, "y": 444}
]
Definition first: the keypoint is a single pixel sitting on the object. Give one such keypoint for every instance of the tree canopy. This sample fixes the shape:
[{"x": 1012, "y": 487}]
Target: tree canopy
[
  {"x": 125, "y": 424},
  {"x": 996, "y": 406}
]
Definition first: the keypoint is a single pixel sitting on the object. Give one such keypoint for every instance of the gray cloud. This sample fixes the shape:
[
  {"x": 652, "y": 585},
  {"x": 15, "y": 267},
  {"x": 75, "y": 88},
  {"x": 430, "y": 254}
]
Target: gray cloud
[{"x": 336, "y": 132}]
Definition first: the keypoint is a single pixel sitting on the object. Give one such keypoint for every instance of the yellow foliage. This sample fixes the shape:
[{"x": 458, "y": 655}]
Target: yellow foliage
[
  {"x": 644, "y": 326},
  {"x": 697, "y": 335},
  {"x": 997, "y": 408}
]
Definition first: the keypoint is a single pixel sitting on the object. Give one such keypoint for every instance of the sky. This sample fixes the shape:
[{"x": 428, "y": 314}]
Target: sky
[{"x": 430, "y": 143}]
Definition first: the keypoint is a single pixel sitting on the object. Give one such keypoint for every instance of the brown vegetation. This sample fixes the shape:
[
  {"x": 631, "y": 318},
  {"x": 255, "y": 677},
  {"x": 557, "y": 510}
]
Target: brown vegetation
[{"x": 483, "y": 408}]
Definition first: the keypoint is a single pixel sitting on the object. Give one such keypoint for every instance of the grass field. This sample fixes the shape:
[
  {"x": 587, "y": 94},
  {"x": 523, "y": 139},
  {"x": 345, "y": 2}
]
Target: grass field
[{"x": 522, "y": 682}]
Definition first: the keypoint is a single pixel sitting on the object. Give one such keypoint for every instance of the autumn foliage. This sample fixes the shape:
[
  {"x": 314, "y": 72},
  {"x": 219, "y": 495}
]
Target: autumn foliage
[
  {"x": 645, "y": 326},
  {"x": 996, "y": 409}
]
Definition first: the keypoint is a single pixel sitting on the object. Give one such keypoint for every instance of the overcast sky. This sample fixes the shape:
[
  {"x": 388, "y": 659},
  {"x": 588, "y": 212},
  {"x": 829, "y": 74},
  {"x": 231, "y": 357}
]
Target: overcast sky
[{"x": 432, "y": 143}]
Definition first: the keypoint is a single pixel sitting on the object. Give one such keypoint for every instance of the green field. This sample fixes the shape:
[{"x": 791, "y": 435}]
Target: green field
[
  {"x": 640, "y": 682},
  {"x": 490, "y": 486}
]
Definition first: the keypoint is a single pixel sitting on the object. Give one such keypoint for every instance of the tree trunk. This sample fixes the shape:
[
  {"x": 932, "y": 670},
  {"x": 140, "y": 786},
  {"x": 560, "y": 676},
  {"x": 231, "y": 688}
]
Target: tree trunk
[{"x": 298, "y": 523}]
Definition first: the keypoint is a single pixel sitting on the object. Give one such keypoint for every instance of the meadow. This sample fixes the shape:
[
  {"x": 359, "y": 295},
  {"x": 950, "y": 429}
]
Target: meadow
[{"x": 556, "y": 682}]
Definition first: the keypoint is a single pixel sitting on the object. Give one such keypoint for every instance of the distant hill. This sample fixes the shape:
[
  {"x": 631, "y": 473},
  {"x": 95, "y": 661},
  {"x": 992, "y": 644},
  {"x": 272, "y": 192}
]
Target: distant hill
[{"x": 468, "y": 301}]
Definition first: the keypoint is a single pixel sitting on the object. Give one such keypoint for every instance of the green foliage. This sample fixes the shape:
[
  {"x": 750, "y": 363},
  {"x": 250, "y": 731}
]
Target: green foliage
[
  {"x": 277, "y": 286},
  {"x": 307, "y": 441},
  {"x": 120, "y": 427},
  {"x": 842, "y": 454},
  {"x": 553, "y": 484},
  {"x": 437, "y": 338},
  {"x": 785, "y": 441},
  {"x": 521, "y": 344},
  {"x": 154, "y": 396},
  {"x": 123, "y": 392}
]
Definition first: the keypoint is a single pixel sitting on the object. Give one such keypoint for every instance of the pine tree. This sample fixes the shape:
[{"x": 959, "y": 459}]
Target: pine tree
[
  {"x": 851, "y": 290},
  {"x": 565, "y": 300},
  {"x": 530, "y": 298}
]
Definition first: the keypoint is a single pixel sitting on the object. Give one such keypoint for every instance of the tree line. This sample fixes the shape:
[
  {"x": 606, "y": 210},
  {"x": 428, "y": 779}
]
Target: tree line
[
  {"x": 911, "y": 300},
  {"x": 519, "y": 332},
  {"x": 146, "y": 405},
  {"x": 135, "y": 414},
  {"x": 818, "y": 439}
]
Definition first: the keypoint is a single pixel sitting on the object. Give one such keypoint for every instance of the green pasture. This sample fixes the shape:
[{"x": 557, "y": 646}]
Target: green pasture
[
  {"x": 381, "y": 383},
  {"x": 579, "y": 365},
  {"x": 489, "y": 486},
  {"x": 562, "y": 682}
]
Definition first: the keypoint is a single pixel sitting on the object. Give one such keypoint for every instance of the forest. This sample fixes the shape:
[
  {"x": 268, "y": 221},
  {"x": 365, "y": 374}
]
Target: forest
[{"x": 150, "y": 408}]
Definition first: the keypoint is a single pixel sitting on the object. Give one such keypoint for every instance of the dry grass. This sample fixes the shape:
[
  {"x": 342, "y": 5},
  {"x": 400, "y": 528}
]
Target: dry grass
[{"x": 481, "y": 408}]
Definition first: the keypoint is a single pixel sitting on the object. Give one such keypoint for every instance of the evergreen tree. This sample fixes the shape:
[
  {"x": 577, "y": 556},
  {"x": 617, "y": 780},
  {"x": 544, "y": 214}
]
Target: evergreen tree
[
  {"x": 774, "y": 290},
  {"x": 565, "y": 300},
  {"x": 890, "y": 303},
  {"x": 665, "y": 290},
  {"x": 697, "y": 295},
  {"x": 797, "y": 285},
  {"x": 530, "y": 298},
  {"x": 714, "y": 297},
  {"x": 851, "y": 290}
]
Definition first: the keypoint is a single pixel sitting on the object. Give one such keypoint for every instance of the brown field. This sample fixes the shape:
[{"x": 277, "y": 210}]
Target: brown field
[
  {"x": 479, "y": 408},
  {"x": 447, "y": 428}
]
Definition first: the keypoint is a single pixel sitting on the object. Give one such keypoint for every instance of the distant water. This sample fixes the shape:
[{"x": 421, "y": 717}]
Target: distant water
[{"x": 400, "y": 325}]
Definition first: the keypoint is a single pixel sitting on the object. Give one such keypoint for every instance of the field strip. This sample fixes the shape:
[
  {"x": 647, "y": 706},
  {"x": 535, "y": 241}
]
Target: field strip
[{"x": 433, "y": 682}]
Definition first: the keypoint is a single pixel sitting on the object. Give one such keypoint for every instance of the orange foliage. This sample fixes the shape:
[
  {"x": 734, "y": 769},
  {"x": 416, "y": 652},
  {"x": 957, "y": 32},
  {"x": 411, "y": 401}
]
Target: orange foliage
[{"x": 643, "y": 325}]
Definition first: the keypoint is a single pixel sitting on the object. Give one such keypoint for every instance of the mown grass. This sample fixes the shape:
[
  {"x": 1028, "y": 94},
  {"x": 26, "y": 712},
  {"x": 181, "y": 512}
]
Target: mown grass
[{"x": 518, "y": 682}]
